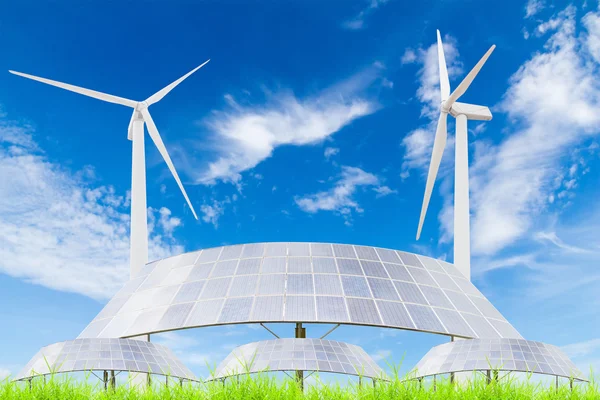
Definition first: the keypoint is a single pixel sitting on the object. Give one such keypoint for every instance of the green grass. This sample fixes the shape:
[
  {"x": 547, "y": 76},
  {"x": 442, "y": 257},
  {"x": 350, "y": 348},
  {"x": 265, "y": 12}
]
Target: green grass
[{"x": 266, "y": 386}]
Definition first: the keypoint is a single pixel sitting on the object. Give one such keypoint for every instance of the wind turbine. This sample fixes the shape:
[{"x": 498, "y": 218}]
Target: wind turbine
[
  {"x": 138, "y": 255},
  {"x": 461, "y": 112}
]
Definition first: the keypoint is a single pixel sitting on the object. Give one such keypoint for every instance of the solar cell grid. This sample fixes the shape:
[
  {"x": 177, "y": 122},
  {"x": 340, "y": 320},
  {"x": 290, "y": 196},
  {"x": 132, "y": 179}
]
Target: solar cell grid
[
  {"x": 303, "y": 354},
  {"x": 73, "y": 356},
  {"x": 480, "y": 354},
  {"x": 283, "y": 270}
]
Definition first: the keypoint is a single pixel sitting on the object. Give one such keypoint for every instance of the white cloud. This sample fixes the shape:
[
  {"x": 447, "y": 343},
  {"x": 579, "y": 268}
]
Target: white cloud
[
  {"x": 243, "y": 136},
  {"x": 418, "y": 143},
  {"x": 59, "y": 229},
  {"x": 331, "y": 151},
  {"x": 381, "y": 355},
  {"x": 383, "y": 191},
  {"x": 533, "y": 7},
  {"x": 581, "y": 349},
  {"x": 358, "y": 22},
  {"x": 552, "y": 102},
  {"x": 408, "y": 57},
  {"x": 385, "y": 82},
  {"x": 340, "y": 198},
  {"x": 212, "y": 212},
  {"x": 175, "y": 341},
  {"x": 4, "y": 373},
  {"x": 187, "y": 348}
]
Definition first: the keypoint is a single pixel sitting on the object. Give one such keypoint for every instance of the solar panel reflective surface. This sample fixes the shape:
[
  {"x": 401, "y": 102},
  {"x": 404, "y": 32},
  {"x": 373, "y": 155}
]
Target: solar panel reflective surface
[
  {"x": 299, "y": 355},
  {"x": 497, "y": 354},
  {"x": 108, "y": 355},
  {"x": 300, "y": 282}
]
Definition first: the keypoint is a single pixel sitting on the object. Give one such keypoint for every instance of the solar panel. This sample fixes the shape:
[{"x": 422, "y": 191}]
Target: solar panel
[
  {"x": 328, "y": 285},
  {"x": 367, "y": 285},
  {"x": 299, "y": 354},
  {"x": 500, "y": 354},
  {"x": 120, "y": 355}
]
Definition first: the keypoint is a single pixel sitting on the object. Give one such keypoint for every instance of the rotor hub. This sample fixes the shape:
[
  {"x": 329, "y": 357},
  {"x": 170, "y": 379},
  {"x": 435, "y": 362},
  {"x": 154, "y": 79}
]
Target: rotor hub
[
  {"x": 445, "y": 108},
  {"x": 142, "y": 105}
]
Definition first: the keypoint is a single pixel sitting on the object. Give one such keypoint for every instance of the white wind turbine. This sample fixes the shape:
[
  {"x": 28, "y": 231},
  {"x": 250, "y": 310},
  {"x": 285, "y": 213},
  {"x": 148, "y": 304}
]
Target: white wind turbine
[
  {"x": 461, "y": 112},
  {"x": 138, "y": 255}
]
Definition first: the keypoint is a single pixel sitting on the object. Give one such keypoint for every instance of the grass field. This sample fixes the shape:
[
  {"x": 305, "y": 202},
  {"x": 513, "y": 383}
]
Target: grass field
[{"x": 268, "y": 387}]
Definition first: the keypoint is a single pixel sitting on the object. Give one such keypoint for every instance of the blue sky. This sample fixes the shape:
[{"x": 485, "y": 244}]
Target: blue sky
[{"x": 312, "y": 122}]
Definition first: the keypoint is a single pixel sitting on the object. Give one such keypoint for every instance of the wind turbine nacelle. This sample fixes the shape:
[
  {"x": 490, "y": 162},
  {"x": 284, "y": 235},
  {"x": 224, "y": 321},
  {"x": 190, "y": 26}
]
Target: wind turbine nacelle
[{"x": 471, "y": 111}]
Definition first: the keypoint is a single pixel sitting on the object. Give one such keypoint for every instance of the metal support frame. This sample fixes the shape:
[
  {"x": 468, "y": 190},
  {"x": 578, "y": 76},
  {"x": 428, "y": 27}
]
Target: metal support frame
[
  {"x": 270, "y": 331},
  {"x": 329, "y": 331}
]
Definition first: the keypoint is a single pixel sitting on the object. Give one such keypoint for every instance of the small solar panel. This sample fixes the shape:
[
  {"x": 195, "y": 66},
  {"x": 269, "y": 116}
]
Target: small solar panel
[
  {"x": 501, "y": 354},
  {"x": 312, "y": 354},
  {"x": 74, "y": 355}
]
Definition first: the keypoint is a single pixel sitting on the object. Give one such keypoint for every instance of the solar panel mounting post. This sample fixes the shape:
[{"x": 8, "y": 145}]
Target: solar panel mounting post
[{"x": 300, "y": 334}]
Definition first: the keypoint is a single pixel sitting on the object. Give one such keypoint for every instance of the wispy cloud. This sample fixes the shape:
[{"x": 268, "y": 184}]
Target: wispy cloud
[
  {"x": 60, "y": 229},
  {"x": 533, "y": 7},
  {"x": 581, "y": 349},
  {"x": 359, "y": 21},
  {"x": 381, "y": 355},
  {"x": 242, "y": 136},
  {"x": 340, "y": 198},
  {"x": 330, "y": 152},
  {"x": 4, "y": 373},
  {"x": 552, "y": 102},
  {"x": 191, "y": 351},
  {"x": 213, "y": 211}
]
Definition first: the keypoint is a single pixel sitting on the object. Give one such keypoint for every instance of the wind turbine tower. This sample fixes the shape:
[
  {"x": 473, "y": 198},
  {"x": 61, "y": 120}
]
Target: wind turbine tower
[
  {"x": 461, "y": 112},
  {"x": 138, "y": 253}
]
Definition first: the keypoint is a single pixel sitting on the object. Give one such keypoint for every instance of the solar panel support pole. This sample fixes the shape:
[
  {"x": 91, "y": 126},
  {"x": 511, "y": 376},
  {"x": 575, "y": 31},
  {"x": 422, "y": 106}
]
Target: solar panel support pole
[
  {"x": 557, "y": 383},
  {"x": 113, "y": 380},
  {"x": 300, "y": 334},
  {"x": 571, "y": 384},
  {"x": 462, "y": 238},
  {"x": 434, "y": 384},
  {"x": 488, "y": 376},
  {"x": 105, "y": 379}
]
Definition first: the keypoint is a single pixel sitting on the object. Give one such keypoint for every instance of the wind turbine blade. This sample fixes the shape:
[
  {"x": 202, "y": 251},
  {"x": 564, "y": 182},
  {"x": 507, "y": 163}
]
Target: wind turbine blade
[
  {"x": 464, "y": 85},
  {"x": 86, "y": 92},
  {"x": 444, "y": 81},
  {"x": 130, "y": 127},
  {"x": 163, "y": 92},
  {"x": 436, "y": 158},
  {"x": 163, "y": 151}
]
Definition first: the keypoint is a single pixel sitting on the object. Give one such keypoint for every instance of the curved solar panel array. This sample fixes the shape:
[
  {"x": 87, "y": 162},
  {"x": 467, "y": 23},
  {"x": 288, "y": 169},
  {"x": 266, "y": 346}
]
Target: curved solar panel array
[
  {"x": 300, "y": 282},
  {"x": 299, "y": 355},
  {"x": 108, "y": 355},
  {"x": 497, "y": 354}
]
